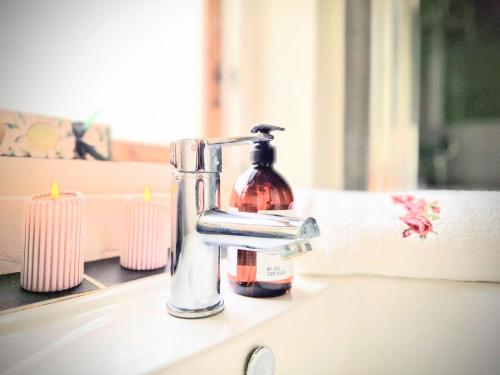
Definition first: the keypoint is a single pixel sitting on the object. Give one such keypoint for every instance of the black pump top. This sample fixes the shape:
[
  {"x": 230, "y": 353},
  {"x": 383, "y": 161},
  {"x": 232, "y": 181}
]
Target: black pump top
[{"x": 263, "y": 152}]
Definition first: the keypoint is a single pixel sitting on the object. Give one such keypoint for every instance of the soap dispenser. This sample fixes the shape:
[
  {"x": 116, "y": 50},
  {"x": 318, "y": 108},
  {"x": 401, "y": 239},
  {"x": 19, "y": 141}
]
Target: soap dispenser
[{"x": 260, "y": 189}]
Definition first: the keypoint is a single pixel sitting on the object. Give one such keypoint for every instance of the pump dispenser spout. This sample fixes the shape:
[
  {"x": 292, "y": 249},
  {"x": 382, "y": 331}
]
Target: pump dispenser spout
[{"x": 265, "y": 129}]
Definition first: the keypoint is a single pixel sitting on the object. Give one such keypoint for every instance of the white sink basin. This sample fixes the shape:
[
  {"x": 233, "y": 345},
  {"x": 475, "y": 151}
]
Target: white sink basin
[{"x": 327, "y": 325}]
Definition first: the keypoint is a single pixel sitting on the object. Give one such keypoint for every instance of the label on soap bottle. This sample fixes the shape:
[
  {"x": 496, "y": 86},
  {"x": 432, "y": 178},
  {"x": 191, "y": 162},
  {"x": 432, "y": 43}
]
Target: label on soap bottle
[{"x": 271, "y": 267}]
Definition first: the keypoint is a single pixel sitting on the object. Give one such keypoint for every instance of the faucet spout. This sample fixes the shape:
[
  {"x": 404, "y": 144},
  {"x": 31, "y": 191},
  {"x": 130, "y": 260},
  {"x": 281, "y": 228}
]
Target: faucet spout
[{"x": 253, "y": 231}]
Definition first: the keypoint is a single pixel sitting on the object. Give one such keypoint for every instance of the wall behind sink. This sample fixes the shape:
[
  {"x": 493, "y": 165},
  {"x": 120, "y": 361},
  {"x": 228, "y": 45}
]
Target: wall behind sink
[{"x": 106, "y": 185}]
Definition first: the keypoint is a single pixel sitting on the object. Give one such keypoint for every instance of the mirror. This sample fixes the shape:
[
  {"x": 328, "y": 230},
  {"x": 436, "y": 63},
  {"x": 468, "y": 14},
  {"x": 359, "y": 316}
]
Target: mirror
[{"x": 137, "y": 63}]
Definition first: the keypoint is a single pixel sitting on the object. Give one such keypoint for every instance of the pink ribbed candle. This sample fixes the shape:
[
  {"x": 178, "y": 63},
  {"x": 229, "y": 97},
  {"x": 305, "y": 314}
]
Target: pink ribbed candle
[
  {"x": 54, "y": 240},
  {"x": 146, "y": 235}
]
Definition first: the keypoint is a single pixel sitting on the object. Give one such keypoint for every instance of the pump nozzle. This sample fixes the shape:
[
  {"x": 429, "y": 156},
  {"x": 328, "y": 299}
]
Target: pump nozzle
[
  {"x": 265, "y": 129},
  {"x": 263, "y": 152}
]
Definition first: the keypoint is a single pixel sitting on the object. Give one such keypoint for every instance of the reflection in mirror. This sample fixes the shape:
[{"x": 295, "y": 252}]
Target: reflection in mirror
[{"x": 138, "y": 62}]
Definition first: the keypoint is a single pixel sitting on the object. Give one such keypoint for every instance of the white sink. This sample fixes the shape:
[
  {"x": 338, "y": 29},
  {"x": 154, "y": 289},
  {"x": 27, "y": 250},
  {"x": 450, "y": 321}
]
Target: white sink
[{"x": 327, "y": 325}]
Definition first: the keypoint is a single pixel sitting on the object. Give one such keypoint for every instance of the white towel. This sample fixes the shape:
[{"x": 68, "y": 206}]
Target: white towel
[{"x": 439, "y": 234}]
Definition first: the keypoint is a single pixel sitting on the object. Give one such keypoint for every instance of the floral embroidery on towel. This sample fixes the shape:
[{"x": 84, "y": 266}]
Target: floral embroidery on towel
[{"x": 419, "y": 215}]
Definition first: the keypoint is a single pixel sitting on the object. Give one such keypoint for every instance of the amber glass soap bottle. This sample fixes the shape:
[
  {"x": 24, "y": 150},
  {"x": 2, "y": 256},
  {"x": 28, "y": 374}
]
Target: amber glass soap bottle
[{"x": 258, "y": 189}]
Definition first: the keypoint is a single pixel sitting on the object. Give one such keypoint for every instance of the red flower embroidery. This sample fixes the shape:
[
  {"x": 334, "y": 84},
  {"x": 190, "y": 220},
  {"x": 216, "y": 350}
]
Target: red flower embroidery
[
  {"x": 436, "y": 209},
  {"x": 418, "y": 216}
]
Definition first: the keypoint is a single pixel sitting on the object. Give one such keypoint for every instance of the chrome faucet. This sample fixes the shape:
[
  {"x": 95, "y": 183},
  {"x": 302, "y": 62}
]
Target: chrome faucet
[{"x": 199, "y": 227}]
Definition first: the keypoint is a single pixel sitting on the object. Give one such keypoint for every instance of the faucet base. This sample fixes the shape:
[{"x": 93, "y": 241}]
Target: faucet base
[{"x": 195, "y": 314}]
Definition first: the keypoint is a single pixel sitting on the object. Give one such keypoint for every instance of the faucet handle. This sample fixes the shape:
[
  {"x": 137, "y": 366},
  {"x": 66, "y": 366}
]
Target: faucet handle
[
  {"x": 204, "y": 154},
  {"x": 239, "y": 140}
]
